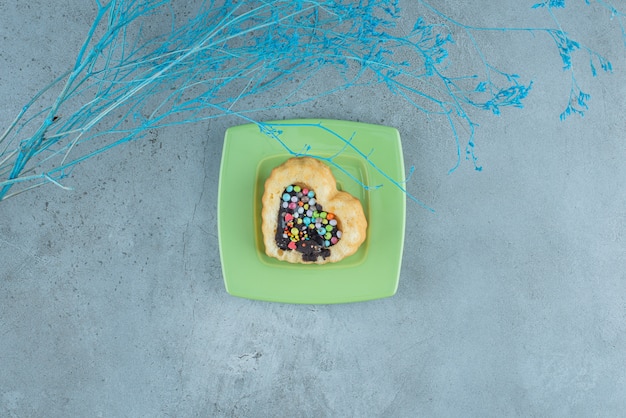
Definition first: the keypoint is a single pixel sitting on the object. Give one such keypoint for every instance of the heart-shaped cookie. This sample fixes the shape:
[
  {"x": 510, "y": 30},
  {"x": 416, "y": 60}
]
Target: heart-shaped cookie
[{"x": 305, "y": 218}]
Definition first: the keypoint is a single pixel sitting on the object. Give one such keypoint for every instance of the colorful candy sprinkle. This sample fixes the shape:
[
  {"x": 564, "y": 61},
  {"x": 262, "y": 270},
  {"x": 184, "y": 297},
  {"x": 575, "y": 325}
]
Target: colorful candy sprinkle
[{"x": 303, "y": 225}]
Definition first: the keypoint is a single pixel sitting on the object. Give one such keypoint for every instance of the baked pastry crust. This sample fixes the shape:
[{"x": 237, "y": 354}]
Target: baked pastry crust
[{"x": 313, "y": 174}]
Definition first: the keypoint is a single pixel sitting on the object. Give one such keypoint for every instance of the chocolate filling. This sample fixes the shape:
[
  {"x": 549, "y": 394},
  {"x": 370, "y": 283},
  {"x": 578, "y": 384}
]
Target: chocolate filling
[{"x": 303, "y": 226}]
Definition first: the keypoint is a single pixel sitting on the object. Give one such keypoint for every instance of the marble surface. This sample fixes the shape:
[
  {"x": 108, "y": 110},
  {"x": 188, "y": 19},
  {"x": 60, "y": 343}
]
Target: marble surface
[{"x": 512, "y": 297}]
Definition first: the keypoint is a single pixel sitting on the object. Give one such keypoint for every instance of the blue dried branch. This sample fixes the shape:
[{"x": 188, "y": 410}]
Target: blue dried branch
[{"x": 124, "y": 82}]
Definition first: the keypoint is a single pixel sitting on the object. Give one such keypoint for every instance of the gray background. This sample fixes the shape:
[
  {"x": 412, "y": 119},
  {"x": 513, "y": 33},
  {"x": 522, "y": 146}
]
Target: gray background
[{"x": 512, "y": 298}]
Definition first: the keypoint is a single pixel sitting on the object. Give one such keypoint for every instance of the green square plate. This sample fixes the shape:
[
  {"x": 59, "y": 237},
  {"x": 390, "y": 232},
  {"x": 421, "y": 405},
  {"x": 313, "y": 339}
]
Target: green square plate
[{"x": 251, "y": 152}]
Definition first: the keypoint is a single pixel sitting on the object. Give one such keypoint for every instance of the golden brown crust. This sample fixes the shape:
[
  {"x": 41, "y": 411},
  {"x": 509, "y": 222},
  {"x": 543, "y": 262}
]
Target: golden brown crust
[{"x": 315, "y": 175}]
